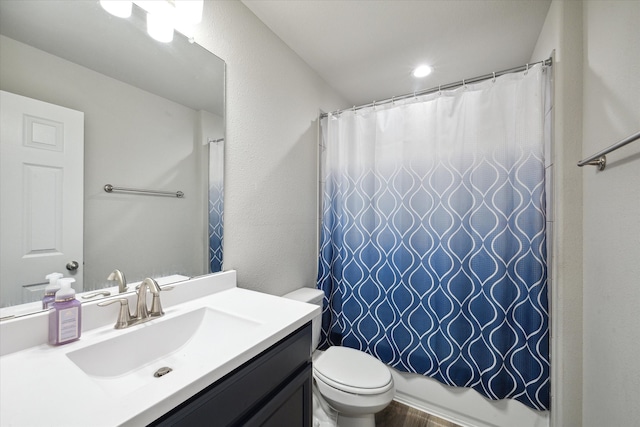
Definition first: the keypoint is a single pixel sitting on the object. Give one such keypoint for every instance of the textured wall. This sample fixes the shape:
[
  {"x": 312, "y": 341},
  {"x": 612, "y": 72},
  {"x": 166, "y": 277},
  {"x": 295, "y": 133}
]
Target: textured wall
[
  {"x": 273, "y": 102},
  {"x": 611, "y": 390}
]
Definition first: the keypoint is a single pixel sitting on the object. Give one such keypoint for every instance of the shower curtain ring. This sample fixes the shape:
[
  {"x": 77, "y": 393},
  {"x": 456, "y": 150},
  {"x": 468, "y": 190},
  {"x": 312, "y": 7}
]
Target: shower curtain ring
[
  {"x": 494, "y": 77},
  {"x": 527, "y": 70}
]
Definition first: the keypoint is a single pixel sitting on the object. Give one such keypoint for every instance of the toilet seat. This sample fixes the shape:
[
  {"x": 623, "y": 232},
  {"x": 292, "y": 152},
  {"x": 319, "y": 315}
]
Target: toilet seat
[{"x": 352, "y": 371}]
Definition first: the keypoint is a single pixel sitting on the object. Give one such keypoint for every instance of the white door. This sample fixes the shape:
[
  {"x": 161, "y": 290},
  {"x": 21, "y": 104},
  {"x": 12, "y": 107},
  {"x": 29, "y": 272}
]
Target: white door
[{"x": 41, "y": 196}]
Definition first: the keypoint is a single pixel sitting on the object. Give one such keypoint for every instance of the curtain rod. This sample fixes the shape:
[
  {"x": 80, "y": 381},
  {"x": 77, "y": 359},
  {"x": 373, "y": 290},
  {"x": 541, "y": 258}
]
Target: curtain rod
[{"x": 546, "y": 62}]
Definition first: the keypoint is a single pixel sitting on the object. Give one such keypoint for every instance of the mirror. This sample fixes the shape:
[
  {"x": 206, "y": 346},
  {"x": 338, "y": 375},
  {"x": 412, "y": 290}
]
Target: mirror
[{"x": 153, "y": 120}]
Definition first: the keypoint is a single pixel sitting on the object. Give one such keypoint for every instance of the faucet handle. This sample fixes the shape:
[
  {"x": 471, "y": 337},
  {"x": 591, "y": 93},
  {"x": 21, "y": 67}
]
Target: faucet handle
[
  {"x": 124, "y": 316},
  {"x": 156, "y": 306}
]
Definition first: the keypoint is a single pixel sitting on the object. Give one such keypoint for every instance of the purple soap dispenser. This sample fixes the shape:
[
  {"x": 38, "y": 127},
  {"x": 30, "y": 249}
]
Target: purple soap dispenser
[
  {"x": 65, "y": 319},
  {"x": 51, "y": 289}
]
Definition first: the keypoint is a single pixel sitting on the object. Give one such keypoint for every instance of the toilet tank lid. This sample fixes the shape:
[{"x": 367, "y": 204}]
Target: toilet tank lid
[{"x": 309, "y": 295}]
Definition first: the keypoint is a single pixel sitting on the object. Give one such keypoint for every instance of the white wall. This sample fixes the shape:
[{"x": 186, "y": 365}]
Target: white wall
[
  {"x": 562, "y": 36},
  {"x": 611, "y": 288},
  {"x": 125, "y": 145},
  {"x": 273, "y": 103},
  {"x": 596, "y": 285}
]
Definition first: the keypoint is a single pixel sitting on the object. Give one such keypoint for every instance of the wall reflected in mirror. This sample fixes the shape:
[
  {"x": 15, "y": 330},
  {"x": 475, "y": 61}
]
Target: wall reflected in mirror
[{"x": 153, "y": 119}]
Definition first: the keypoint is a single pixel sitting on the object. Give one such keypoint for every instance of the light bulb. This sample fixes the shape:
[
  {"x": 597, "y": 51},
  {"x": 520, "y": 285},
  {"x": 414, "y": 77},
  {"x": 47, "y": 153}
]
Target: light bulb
[
  {"x": 119, "y": 8},
  {"x": 160, "y": 27},
  {"x": 422, "y": 71}
]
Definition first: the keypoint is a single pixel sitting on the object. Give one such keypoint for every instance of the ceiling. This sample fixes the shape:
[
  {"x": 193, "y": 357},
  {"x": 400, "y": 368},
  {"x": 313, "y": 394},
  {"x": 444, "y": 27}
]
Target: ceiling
[{"x": 366, "y": 49}]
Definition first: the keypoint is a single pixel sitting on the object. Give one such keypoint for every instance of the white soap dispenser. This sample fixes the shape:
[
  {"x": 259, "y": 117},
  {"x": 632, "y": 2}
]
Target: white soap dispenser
[
  {"x": 65, "y": 320},
  {"x": 51, "y": 289}
]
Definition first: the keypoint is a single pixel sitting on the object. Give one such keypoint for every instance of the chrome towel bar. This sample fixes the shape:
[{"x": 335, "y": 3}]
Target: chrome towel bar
[
  {"x": 600, "y": 159},
  {"x": 110, "y": 189}
]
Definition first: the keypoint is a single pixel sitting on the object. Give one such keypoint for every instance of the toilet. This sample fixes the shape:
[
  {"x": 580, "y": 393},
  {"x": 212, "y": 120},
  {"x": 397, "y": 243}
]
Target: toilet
[{"x": 354, "y": 383}]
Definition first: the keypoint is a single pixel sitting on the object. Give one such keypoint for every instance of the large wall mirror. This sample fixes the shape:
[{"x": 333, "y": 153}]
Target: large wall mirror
[{"x": 151, "y": 118}]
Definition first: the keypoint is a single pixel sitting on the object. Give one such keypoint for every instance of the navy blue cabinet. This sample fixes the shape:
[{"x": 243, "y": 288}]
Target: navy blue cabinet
[{"x": 272, "y": 389}]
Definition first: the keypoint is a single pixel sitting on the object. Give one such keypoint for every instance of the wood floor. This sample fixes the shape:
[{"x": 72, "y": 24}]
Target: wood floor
[{"x": 399, "y": 415}]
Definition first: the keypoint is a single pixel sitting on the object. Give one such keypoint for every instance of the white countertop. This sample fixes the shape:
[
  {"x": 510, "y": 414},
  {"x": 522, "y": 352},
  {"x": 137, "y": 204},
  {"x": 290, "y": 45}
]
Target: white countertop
[{"x": 40, "y": 385}]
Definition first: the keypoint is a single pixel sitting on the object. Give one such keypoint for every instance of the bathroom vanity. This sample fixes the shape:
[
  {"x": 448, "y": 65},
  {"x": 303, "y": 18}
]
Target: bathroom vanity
[
  {"x": 273, "y": 389},
  {"x": 221, "y": 355}
]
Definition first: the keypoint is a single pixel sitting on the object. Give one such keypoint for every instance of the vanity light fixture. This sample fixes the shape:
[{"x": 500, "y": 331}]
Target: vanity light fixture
[
  {"x": 422, "y": 71},
  {"x": 119, "y": 8},
  {"x": 163, "y": 16},
  {"x": 160, "y": 26}
]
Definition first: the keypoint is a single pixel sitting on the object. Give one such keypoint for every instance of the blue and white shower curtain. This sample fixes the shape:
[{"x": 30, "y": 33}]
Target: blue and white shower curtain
[
  {"x": 433, "y": 247},
  {"x": 216, "y": 204}
]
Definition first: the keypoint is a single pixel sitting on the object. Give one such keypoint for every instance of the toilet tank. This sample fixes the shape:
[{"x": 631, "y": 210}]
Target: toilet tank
[{"x": 310, "y": 296}]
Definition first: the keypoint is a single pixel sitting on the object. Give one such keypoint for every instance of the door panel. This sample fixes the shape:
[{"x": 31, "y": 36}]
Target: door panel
[{"x": 41, "y": 195}]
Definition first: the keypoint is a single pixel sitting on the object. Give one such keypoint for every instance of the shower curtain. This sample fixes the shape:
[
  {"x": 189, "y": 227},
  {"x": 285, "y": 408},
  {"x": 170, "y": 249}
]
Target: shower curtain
[
  {"x": 216, "y": 204},
  {"x": 433, "y": 247}
]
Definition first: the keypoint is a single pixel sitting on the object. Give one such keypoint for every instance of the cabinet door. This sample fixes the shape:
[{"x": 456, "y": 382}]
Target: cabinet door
[{"x": 290, "y": 407}]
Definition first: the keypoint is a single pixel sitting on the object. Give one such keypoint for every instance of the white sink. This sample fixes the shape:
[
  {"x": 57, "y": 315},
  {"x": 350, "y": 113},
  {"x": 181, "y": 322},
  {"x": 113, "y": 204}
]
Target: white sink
[{"x": 129, "y": 360}]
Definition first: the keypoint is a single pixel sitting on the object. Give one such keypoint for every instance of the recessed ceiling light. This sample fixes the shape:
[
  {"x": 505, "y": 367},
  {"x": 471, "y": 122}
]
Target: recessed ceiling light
[{"x": 422, "y": 71}]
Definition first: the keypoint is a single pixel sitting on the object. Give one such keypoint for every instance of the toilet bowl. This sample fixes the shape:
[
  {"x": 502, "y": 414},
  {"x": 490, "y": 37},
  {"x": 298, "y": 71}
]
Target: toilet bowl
[{"x": 354, "y": 383}]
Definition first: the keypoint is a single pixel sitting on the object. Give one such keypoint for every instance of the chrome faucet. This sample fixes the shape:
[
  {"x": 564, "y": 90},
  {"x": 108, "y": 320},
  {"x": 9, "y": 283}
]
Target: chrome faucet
[
  {"x": 143, "y": 313},
  {"x": 118, "y": 276}
]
